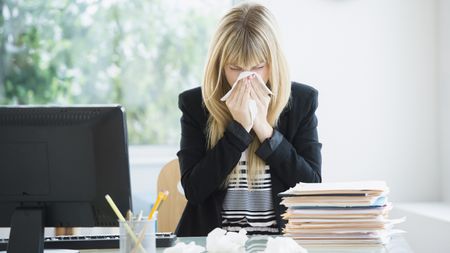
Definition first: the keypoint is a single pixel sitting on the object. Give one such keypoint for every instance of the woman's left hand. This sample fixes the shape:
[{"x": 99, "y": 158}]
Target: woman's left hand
[{"x": 261, "y": 126}]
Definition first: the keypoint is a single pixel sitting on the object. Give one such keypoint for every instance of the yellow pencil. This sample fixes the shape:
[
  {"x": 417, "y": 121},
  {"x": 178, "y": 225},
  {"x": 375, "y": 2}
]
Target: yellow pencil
[
  {"x": 161, "y": 196},
  {"x": 166, "y": 195},
  {"x": 122, "y": 219}
]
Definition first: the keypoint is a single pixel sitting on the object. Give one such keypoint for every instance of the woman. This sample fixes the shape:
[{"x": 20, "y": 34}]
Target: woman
[{"x": 234, "y": 162}]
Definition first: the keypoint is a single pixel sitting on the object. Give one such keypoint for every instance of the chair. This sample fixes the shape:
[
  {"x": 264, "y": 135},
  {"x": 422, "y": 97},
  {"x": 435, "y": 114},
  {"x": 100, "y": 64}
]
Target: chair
[
  {"x": 172, "y": 208},
  {"x": 64, "y": 231}
]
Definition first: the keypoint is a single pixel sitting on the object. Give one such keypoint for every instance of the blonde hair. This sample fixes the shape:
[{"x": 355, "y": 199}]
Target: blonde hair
[{"x": 246, "y": 36}]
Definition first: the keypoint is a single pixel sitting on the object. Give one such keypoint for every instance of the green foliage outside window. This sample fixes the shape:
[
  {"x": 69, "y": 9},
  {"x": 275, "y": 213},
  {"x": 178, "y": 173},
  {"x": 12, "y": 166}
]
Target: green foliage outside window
[{"x": 139, "y": 53}]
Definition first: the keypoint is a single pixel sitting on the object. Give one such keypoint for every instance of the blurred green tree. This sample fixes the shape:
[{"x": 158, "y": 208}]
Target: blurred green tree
[{"x": 141, "y": 54}]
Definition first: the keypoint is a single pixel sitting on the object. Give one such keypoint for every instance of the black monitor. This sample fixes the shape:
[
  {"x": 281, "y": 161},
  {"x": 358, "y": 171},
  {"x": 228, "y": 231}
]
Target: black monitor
[{"x": 56, "y": 165}]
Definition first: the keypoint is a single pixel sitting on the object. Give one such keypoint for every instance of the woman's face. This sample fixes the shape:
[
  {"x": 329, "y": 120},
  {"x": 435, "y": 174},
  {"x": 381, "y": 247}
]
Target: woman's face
[{"x": 232, "y": 71}]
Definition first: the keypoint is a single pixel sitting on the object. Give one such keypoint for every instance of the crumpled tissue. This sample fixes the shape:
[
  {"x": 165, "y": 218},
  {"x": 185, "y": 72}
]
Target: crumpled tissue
[
  {"x": 182, "y": 247},
  {"x": 283, "y": 245},
  {"x": 219, "y": 241},
  {"x": 252, "y": 103}
]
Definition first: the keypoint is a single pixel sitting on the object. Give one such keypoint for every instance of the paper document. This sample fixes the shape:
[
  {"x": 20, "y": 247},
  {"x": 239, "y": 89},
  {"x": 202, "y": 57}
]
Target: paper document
[
  {"x": 365, "y": 188},
  {"x": 339, "y": 213}
]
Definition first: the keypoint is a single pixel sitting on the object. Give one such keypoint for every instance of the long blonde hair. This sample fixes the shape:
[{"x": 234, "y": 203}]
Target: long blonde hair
[{"x": 246, "y": 36}]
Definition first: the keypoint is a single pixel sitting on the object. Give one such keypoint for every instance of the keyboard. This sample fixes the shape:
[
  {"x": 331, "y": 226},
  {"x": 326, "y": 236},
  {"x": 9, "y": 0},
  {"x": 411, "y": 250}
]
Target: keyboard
[{"x": 94, "y": 241}]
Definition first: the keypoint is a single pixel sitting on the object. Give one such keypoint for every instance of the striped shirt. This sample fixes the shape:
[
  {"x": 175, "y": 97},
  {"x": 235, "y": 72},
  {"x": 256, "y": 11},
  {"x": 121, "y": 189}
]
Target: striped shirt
[{"x": 249, "y": 208}]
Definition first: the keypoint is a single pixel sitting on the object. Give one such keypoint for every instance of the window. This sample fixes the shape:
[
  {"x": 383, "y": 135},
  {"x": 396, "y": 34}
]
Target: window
[
  {"x": 140, "y": 54},
  {"x": 137, "y": 53}
]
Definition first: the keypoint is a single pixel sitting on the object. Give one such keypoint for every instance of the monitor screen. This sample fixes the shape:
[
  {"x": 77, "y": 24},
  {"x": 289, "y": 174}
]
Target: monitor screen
[{"x": 58, "y": 163}]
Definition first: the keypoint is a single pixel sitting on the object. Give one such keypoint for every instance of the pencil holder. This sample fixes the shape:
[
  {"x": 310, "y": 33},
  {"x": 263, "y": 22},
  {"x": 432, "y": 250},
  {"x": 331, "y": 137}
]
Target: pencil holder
[{"x": 137, "y": 236}]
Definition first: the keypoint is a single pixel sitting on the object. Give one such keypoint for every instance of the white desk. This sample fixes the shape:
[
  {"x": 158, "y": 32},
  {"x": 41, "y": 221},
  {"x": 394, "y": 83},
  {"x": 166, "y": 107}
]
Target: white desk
[{"x": 397, "y": 245}]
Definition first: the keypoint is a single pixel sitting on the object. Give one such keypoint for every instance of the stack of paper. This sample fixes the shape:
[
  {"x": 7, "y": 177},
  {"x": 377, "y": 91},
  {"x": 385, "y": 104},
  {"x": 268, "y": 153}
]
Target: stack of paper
[{"x": 344, "y": 213}]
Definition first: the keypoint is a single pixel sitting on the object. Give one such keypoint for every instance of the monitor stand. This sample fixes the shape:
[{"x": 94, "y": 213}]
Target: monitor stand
[{"x": 27, "y": 231}]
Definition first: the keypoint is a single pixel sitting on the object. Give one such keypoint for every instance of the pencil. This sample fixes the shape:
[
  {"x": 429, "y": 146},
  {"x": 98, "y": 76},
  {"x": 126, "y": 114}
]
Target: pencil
[
  {"x": 122, "y": 219},
  {"x": 161, "y": 196}
]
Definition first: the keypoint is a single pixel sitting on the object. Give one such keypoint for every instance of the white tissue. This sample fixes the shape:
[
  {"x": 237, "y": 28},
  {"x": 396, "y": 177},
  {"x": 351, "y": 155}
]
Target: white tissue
[
  {"x": 283, "y": 245},
  {"x": 181, "y": 247},
  {"x": 219, "y": 241},
  {"x": 252, "y": 103},
  {"x": 253, "y": 109}
]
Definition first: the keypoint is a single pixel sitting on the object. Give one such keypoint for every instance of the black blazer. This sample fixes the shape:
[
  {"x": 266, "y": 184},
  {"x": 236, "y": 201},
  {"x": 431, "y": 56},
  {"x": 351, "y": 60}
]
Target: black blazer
[{"x": 292, "y": 153}]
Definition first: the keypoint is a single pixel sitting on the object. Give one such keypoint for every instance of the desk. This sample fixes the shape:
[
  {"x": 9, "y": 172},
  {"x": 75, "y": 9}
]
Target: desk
[{"x": 256, "y": 243}]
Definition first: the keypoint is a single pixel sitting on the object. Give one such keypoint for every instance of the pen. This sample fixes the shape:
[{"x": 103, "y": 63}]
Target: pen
[
  {"x": 122, "y": 219},
  {"x": 161, "y": 197},
  {"x": 139, "y": 218}
]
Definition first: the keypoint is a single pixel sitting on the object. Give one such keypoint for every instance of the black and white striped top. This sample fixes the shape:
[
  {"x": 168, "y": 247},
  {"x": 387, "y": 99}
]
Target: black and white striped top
[{"x": 249, "y": 208}]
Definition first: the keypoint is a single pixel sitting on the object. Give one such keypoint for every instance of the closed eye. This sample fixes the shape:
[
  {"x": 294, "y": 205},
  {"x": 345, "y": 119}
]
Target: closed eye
[{"x": 259, "y": 67}]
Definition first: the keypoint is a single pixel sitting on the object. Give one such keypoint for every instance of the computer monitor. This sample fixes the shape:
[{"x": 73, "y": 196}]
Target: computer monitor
[{"x": 56, "y": 165}]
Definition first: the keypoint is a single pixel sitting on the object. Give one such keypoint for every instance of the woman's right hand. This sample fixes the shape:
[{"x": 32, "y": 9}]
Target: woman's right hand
[{"x": 237, "y": 103}]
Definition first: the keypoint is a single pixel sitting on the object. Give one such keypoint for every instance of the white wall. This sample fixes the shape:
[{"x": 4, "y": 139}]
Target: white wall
[
  {"x": 374, "y": 63},
  {"x": 444, "y": 81}
]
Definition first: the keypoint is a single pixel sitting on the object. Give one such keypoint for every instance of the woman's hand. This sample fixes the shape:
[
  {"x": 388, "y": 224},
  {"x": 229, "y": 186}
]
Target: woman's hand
[
  {"x": 261, "y": 126},
  {"x": 237, "y": 103}
]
